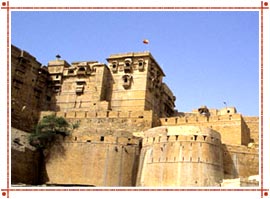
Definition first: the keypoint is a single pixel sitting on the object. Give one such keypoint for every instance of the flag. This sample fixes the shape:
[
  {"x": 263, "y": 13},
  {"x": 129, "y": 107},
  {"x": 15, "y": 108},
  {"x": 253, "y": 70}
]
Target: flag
[{"x": 146, "y": 41}]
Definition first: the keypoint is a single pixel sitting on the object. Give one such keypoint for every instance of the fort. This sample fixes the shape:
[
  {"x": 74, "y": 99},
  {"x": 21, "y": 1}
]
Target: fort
[{"x": 129, "y": 132}]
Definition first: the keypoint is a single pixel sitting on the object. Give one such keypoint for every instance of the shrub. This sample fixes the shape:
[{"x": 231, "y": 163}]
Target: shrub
[{"x": 48, "y": 130}]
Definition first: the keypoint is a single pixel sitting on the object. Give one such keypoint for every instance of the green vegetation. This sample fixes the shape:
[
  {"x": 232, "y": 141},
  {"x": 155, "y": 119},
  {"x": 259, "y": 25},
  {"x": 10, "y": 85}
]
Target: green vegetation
[{"x": 48, "y": 131}]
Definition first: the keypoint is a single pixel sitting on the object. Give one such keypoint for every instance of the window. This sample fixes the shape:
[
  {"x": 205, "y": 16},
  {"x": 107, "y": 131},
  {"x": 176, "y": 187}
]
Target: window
[
  {"x": 141, "y": 65},
  {"x": 125, "y": 80},
  {"x": 127, "y": 67},
  {"x": 101, "y": 138},
  {"x": 81, "y": 69}
]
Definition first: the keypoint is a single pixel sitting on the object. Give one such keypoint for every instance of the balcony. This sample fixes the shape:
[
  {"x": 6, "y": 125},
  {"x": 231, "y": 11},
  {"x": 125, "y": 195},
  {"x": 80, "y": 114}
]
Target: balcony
[{"x": 79, "y": 89}]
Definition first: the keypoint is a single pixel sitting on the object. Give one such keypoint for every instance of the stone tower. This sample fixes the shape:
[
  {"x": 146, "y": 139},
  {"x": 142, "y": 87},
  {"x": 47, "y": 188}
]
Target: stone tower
[{"x": 137, "y": 84}]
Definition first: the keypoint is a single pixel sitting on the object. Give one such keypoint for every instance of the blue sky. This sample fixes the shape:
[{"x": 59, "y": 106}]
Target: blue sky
[{"x": 208, "y": 56}]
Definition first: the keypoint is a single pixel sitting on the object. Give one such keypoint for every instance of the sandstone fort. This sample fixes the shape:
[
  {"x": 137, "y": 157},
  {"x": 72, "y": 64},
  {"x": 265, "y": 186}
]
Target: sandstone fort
[{"x": 129, "y": 132}]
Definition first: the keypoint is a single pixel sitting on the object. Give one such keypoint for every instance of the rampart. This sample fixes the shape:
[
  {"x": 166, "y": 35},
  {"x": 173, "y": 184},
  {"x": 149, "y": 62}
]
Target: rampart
[
  {"x": 240, "y": 161},
  {"x": 146, "y": 115},
  {"x": 94, "y": 160},
  {"x": 108, "y": 122},
  {"x": 232, "y": 128},
  {"x": 253, "y": 125},
  {"x": 180, "y": 156},
  {"x": 104, "y": 146}
]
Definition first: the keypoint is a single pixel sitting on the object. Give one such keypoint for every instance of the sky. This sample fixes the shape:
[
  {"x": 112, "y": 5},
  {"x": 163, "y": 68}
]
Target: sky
[{"x": 209, "y": 57}]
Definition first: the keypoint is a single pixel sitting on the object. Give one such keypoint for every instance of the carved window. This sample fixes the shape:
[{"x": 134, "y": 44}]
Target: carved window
[
  {"x": 141, "y": 64},
  {"x": 128, "y": 66},
  {"x": 17, "y": 83},
  {"x": 114, "y": 66},
  {"x": 81, "y": 70},
  {"x": 57, "y": 88},
  {"x": 126, "y": 81}
]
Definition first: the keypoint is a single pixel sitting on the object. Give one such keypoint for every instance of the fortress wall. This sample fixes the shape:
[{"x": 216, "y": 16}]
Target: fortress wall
[
  {"x": 253, "y": 125},
  {"x": 25, "y": 159},
  {"x": 28, "y": 89},
  {"x": 245, "y": 133},
  {"x": 240, "y": 161},
  {"x": 230, "y": 126},
  {"x": 180, "y": 158},
  {"x": 147, "y": 115},
  {"x": 93, "y": 162},
  {"x": 107, "y": 122},
  {"x": 103, "y": 144}
]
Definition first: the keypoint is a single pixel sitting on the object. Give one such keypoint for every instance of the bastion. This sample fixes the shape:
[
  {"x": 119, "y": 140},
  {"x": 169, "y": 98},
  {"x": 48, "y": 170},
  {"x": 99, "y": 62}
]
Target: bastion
[{"x": 180, "y": 156}]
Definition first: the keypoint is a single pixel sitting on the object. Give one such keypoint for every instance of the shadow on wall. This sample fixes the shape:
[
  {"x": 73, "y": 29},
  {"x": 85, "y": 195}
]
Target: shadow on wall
[
  {"x": 230, "y": 163},
  {"x": 28, "y": 167},
  {"x": 50, "y": 153}
]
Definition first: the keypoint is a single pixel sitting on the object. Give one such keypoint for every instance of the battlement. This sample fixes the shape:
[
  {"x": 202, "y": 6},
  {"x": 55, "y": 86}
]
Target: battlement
[
  {"x": 104, "y": 139},
  {"x": 146, "y": 115},
  {"x": 182, "y": 138},
  {"x": 199, "y": 119},
  {"x": 181, "y": 134}
]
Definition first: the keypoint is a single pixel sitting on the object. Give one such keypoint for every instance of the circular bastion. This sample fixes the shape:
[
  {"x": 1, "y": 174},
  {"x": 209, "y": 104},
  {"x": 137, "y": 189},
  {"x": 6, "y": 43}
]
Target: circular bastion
[{"x": 180, "y": 156}]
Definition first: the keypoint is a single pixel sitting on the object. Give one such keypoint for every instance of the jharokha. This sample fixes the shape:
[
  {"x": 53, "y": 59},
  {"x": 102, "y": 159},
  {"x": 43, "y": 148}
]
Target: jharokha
[{"x": 129, "y": 132}]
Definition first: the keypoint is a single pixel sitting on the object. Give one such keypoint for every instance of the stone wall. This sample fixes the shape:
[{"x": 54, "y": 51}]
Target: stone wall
[
  {"x": 231, "y": 127},
  {"x": 180, "y": 156},
  {"x": 107, "y": 122},
  {"x": 104, "y": 146},
  {"x": 240, "y": 161},
  {"x": 94, "y": 160},
  {"x": 253, "y": 125},
  {"x": 25, "y": 160},
  {"x": 28, "y": 89}
]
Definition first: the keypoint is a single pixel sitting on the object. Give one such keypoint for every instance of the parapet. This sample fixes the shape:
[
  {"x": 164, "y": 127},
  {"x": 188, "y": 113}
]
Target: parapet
[
  {"x": 191, "y": 119},
  {"x": 181, "y": 133},
  {"x": 147, "y": 115},
  {"x": 104, "y": 139}
]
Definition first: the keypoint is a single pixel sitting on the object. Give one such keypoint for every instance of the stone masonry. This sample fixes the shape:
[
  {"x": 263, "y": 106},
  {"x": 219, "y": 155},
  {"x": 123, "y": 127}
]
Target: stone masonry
[{"x": 129, "y": 133}]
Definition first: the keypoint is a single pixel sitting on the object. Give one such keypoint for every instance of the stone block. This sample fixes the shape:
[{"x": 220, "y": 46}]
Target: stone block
[
  {"x": 91, "y": 114},
  {"x": 71, "y": 114},
  {"x": 80, "y": 114}
]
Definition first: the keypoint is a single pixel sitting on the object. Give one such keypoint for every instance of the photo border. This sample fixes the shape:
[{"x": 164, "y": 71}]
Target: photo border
[{"x": 5, "y": 5}]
